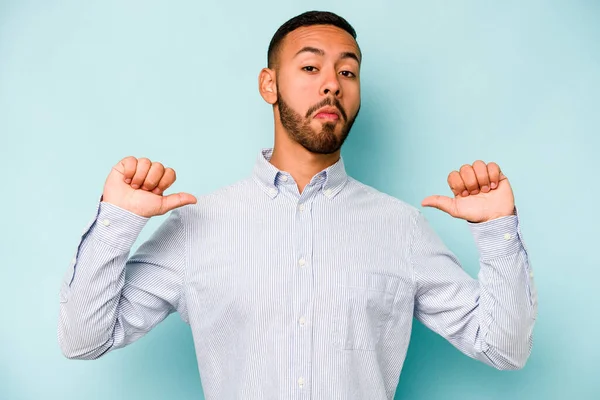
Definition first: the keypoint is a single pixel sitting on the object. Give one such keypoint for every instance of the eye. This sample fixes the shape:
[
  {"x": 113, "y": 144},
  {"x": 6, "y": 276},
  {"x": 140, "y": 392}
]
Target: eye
[
  {"x": 348, "y": 74},
  {"x": 309, "y": 68}
]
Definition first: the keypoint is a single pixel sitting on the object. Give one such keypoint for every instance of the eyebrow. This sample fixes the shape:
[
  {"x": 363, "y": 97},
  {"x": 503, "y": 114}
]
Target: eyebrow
[{"x": 319, "y": 52}]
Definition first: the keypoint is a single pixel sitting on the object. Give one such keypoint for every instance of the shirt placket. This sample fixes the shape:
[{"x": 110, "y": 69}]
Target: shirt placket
[{"x": 303, "y": 292}]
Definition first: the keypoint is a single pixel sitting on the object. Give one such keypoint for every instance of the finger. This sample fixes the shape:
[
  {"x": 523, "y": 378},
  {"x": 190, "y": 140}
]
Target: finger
[
  {"x": 176, "y": 200},
  {"x": 456, "y": 184},
  {"x": 468, "y": 176},
  {"x": 481, "y": 173},
  {"x": 126, "y": 167},
  {"x": 154, "y": 176},
  {"x": 442, "y": 203},
  {"x": 494, "y": 174},
  {"x": 166, "y": 181},
  {"x": 143, "y": 166}
]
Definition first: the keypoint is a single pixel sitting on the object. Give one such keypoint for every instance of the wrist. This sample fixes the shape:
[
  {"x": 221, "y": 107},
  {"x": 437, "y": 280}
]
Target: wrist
[{"x": 496, "y": 216}]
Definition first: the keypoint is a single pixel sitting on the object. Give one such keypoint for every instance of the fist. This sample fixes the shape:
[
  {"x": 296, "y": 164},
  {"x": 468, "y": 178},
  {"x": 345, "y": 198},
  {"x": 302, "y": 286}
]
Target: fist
[
  {"x": 481, "y": 193},
  {"x": 137, "y": 185}
]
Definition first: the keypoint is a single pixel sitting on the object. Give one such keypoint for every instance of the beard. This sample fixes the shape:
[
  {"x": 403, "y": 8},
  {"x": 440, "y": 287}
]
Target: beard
[{"x": 324, "y": 141}]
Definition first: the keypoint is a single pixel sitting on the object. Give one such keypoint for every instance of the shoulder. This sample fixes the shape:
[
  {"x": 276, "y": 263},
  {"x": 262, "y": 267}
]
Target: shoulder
[
  {"x": 225, "y": 199},
  {"x": 368, "y": 196}
]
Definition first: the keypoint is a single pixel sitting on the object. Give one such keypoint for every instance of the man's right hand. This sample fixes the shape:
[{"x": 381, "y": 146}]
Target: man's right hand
[{"x": 137, "y": 185}]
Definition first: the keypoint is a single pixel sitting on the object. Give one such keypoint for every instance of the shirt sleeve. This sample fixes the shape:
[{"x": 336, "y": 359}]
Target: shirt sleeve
[
  {"x": 490, "y": 318},
  {"x": 108, "y": 300}
]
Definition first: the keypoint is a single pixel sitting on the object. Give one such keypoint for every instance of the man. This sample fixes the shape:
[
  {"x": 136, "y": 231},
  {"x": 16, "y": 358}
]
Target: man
[{"x": 300, "y": 282}]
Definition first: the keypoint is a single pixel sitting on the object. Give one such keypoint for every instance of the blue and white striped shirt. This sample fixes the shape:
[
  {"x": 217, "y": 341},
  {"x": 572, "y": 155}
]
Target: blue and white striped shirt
[{"x": 297, "y": 296}]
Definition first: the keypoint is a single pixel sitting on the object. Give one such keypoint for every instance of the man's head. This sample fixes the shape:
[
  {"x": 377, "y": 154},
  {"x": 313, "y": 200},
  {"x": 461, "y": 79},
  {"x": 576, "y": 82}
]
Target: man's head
[{"x": 313, "y": 80}]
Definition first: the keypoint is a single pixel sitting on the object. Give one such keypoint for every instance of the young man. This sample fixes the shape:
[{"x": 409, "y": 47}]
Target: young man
[{"x": 300, "y": 282}]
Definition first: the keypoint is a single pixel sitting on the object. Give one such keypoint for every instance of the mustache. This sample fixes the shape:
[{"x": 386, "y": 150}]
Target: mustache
[{"x": 329, "y": 101}]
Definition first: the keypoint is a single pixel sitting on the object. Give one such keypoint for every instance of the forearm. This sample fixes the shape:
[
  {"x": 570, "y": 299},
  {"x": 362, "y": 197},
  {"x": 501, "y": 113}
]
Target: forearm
[
  {"x": 507, "y": 303},
  {"x": 91, "y": 298}
]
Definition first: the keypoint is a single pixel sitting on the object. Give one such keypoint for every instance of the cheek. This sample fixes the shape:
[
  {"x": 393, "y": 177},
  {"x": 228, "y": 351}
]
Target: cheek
[
  {"x": 304, "y": 89},
  {"x": 297, "y": 95},
  {"x": 352, "y": 98}
]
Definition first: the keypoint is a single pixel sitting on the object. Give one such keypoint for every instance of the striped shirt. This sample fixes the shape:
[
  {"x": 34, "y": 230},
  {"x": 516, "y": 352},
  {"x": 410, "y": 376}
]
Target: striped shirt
[{"x": 295, "y": 295}]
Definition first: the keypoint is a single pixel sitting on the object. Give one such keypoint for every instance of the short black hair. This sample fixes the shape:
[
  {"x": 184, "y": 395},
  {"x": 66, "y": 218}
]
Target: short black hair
[{"x": 308, "y": 18}]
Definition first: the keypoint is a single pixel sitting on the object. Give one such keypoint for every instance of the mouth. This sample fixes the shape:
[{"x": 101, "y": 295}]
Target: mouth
[{"x": 328, "y": 113}]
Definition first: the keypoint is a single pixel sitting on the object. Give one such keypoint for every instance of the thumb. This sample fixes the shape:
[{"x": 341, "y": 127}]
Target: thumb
[
  {"x": 442, "y": 203},
  {"x": 176, "y": 200}
]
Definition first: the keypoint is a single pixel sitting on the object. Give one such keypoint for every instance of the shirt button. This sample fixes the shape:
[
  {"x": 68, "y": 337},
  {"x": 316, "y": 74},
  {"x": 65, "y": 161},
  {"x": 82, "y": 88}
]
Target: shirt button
[
  {"x": 301, "y": 207},
  {"x": 284, "y": 178},
  {"x": 301, "y": 381},
  {"x": 302, "y": 321},
  {"x": 328, "y": 192},
  {"x": 105, "y": 222},
  {"x": 302, "y": 262},
  {"x": 273, "y": 192},
  {"x": 507, "y": 236}
]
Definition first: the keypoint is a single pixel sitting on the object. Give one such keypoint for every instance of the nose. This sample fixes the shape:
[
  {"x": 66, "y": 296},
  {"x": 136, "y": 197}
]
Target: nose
[{"x": 331, "y": 85}]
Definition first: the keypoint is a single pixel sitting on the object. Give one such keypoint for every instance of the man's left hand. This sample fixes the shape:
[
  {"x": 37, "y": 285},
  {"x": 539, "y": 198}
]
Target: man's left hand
[{"x": 481, "y": 193}]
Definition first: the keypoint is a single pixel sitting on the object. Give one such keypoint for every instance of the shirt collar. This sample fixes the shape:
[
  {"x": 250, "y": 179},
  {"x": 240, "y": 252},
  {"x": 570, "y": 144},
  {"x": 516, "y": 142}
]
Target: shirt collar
[{"x": 268, "y": 176}]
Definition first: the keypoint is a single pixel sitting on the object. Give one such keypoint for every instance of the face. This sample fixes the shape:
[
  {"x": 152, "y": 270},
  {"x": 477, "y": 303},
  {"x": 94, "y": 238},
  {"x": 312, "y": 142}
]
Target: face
[{"x": 318, "y": 87}]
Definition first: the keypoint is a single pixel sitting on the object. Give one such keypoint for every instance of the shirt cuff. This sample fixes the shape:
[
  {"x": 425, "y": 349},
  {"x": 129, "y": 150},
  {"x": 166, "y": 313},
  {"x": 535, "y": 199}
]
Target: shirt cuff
[
  {"x": 117, "y": 227},
  {"x": 499, "y": 237}
]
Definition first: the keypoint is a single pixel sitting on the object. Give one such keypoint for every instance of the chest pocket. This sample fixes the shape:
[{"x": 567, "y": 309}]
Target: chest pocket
[{"x": 365, "y": 305}]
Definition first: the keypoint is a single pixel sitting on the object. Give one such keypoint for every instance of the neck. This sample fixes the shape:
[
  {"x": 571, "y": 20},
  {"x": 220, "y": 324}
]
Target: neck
[{"x": 301, "y": 164}]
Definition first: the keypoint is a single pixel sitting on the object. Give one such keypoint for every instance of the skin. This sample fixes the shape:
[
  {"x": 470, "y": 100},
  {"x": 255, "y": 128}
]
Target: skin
[
  {"x": 304, "y": 79},
  {"x": 316, "y": 66}
]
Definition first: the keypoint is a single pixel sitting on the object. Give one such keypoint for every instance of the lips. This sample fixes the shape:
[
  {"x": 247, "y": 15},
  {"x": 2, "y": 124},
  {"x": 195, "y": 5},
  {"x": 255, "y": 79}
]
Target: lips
[{"x": 328, "y": 113}]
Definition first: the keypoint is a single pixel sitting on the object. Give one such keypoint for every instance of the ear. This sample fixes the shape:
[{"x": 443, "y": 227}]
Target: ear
[{"x": 267, "y": 86}]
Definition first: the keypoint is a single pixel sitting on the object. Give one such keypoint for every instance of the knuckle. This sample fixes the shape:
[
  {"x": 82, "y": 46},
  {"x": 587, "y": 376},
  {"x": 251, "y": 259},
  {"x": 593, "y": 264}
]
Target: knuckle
[
  {"x": 479, "y": 166},
  {"x": 465, "y": 167},
  {"x": 128, "y": 163},
  {"x": 167, "y": 178}
]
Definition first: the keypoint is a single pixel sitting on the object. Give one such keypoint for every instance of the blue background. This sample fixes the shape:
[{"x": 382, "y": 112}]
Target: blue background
[{"x": 83, "y": 84}]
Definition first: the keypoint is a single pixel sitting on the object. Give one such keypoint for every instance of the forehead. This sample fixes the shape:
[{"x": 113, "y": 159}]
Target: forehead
[{"x": 326, "y": 37}]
